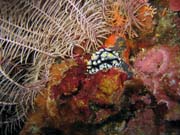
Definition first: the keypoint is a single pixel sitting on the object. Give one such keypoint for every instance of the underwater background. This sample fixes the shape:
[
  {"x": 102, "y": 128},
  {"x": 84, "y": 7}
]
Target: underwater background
[{"x": 89, "y": 67}]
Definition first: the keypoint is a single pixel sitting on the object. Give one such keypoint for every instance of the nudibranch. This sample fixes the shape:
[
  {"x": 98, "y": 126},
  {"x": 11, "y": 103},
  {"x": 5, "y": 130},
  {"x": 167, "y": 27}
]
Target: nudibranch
[{"x": 107, "y": 58}]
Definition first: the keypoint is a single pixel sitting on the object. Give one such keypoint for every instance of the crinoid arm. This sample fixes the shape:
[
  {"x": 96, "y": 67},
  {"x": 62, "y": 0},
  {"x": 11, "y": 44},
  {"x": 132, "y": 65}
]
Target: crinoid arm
[
  {"x": 51, "y": 28},
  {"x": 33, "y": 33},
  {"x": 16, "y": 95}
]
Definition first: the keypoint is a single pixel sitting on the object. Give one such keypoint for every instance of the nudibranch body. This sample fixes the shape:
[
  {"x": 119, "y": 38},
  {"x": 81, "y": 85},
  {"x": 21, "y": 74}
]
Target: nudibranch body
[{"x": 107, "y": 58}]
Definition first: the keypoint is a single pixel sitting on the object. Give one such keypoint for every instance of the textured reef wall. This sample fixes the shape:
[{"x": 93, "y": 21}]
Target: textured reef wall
[{"x": 96, "y": 67}]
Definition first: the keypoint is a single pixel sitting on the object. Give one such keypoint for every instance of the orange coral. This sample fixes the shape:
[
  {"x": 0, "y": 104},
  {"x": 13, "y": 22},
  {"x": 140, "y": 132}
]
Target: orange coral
[
  {"x": 126, "y": 17},
  {"x": 110, "y": 42},
  {"x": 118, "y": 19},
  {"x": 145, "y": 15}
]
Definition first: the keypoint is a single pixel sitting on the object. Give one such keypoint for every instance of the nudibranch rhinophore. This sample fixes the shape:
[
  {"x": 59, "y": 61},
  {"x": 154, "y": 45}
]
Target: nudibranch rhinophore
[{"x": 105, "y": 59}]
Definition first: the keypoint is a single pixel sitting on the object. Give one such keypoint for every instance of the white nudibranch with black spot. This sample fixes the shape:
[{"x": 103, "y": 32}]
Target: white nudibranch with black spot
[{"x": 105, "y": 59}]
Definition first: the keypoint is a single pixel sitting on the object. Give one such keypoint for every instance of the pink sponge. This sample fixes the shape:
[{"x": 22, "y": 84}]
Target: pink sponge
[
  {"x": 174, "y": 5},
  {"x": 159, "y": 69}
]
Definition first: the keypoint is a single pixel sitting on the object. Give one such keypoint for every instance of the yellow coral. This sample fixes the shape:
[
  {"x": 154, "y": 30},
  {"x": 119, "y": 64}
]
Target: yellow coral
[{"x": 106, "y": 84}]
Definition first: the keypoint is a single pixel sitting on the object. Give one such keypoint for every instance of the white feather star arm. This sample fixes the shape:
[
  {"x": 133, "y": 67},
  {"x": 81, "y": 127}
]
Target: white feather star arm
[{"x": 32, "y": 34}]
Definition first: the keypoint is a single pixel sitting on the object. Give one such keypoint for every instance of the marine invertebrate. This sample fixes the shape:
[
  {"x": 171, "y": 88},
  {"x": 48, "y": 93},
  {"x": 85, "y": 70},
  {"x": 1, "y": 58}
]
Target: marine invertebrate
[
  {"x": 115, "y": 41},
  {"x": 174, "y": 5},
  {"x": 167, "y": 30},
  {"x": 129, "y": 17},
  {"x": 159, "y": 70},
  {"x": 141, "y": 124},
  {"x": 72, "y": 96},
  {"x": 33, "y": 33},
  {"x": 36, "y": 34},
  {"x": 120, "y": 44},
  {"x": 110, "y": 55},
  {"x": 105, "y": 59}
]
